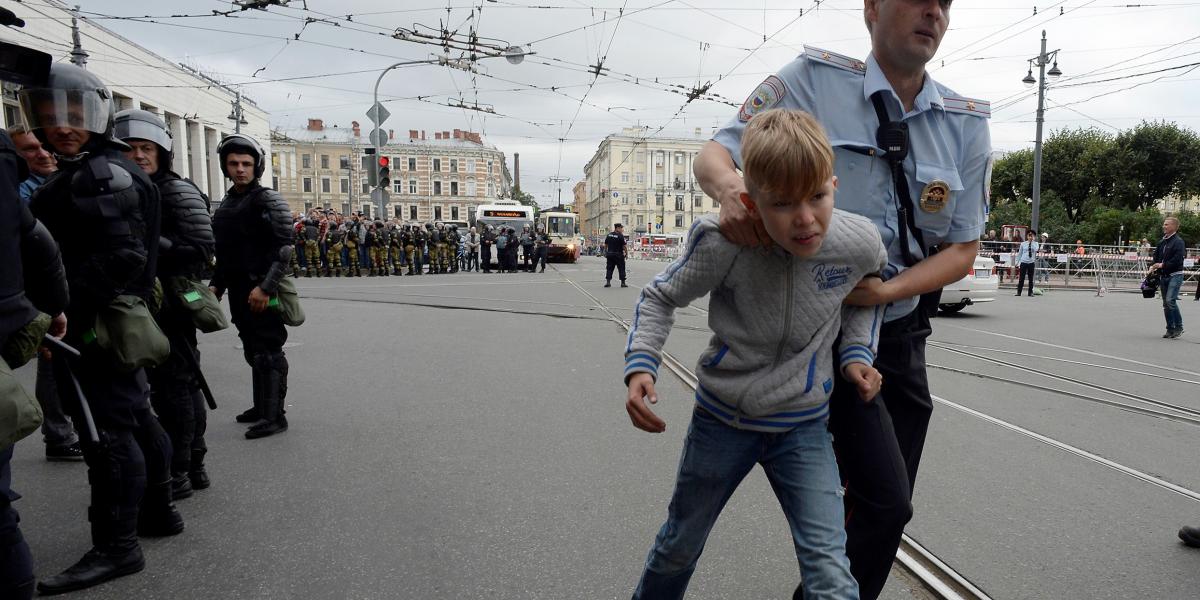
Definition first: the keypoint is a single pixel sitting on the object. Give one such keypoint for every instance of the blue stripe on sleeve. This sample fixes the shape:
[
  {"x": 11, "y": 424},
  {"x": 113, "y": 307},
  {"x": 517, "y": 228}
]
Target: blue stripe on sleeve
[
  {"x": 642, "y": 355},
  {"x": 812, "y": 369},
  {"x": 640, "y": 365}
]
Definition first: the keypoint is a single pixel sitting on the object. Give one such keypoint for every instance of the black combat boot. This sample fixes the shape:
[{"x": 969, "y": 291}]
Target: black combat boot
[
  {"x": 198, "y": 475},
  {"x": 181, "y": 486},
  {"x": 115, "y": 553},
  {"x": 273, "y": 374},
  {"x": 158, "y": 516}
]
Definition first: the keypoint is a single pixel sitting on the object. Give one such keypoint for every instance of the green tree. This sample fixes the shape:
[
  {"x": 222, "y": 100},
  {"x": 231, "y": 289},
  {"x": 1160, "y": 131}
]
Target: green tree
[
  {"x": 1153, "y": 161},
  {"x": 1073, "y": 168}
]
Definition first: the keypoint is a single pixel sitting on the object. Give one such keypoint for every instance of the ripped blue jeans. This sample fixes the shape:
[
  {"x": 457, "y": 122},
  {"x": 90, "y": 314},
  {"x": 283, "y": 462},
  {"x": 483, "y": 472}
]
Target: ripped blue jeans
[{"x": 802, "y": 470}]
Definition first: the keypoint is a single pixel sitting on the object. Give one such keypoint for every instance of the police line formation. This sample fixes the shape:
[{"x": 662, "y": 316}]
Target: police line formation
[
  {"x": 115, "y": 250},
  {"x": 329, "y": 245}
]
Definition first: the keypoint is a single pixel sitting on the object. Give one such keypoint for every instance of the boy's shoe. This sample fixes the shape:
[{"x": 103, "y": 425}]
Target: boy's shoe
[
  {"x": 1168, "y": 334},
  {"x": 1175, "y": 334},
  {"x": 1190, "y": 536},
  {"x": 70, "y": 453}
]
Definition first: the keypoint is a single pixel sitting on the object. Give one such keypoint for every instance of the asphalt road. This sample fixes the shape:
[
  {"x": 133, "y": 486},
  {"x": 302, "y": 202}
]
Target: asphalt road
[{"x": 464, "y": 437}]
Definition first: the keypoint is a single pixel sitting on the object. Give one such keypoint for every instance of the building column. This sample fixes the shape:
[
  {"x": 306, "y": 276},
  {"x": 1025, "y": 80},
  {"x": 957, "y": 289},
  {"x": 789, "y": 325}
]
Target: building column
[
  {"x": 196, "y": 166},
  {"x": 216, "y": 179},
  {"x": 179, "y": 141}
]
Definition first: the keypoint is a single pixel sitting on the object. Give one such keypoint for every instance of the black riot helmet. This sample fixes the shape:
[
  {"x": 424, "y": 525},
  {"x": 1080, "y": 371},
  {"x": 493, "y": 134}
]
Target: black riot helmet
[
  {"x": 71, "y": 97},
  {"x": 240, "y": 143},
  {"x": 134, "y": 124}
]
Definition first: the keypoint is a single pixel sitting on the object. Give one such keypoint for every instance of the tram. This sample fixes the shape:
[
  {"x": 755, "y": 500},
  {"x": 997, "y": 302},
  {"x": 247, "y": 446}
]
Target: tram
[{"x": 563, "y": 229}]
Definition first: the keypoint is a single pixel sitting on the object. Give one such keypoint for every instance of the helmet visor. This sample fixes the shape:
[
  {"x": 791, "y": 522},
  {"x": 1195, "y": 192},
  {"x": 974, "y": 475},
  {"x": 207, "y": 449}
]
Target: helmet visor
[
  {"x": 78, "y": 109},
  {"x": 128, "y": 129}
]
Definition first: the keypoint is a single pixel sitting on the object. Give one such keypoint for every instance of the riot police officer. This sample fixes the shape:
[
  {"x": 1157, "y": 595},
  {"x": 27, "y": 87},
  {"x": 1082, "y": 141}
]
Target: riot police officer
[
  {"x": 486, "y": 241},
  {"x": 541, "y": 248},
  {"x": 253, "y": 248},
  {"x": 185, "y": 255},
  {"x": 527, "y": 243},
  {"x": 104, "y": 213}
]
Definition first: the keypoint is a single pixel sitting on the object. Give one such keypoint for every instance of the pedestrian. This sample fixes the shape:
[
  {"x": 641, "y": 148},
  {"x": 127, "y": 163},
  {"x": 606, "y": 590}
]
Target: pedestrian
[
  {"x": 1168, "y": 262},
  {"x": 252, "y": 250},
  {"x": 615, "y": 251},
  {"x": 938, "y": 184},
  {"x": 183, "y": 261},
  {"x": 33, "y": 286},
  {"x": 41, "y": 163},
  {"x": 486, "y": 242},
  {"x": 1027, "y": 260},
  {"x": 473, "y": 241},
  {"x": 755, "y": 409},
  {"x": 104, "y": 213},
  {"x": 58, "y": 432}
]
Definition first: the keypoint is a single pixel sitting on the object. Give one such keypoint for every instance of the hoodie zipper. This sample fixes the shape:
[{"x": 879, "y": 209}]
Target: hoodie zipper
[{"x": 789, "y": 300}]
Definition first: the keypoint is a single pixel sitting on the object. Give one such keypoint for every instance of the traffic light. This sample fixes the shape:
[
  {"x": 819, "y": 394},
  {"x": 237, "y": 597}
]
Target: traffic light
[{"x": 384, "y": 172}]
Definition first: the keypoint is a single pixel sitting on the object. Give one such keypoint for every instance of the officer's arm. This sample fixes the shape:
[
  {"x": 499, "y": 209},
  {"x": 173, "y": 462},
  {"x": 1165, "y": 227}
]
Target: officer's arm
[
  {"x": 715, "y": 171},
  {"x": 951, "y": 263},
  {"x": 280, "y": 219},
  {"x": 45, "y": 279},
  {"x": 192, "y": 223}
]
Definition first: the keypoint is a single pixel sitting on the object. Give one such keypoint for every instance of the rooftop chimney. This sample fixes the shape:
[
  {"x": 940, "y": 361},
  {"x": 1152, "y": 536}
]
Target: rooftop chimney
[
  {"x": 458, "y": 134},
  {"x": 391, "y": 134},
  {"x": 437, "y": 135},
  {"x": 316, "y": 125},
  {"x": 517, "y": 170},
  {"x": 357, "y": 131},
  {"x": 422, "y": 135},
  {"x": 413, "y": 135},
  {"x": 445, "y": 135}
]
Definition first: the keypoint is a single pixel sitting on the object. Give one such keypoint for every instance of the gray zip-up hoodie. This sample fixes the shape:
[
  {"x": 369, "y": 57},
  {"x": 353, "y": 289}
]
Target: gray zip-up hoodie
[{"x": 774, "y": 317}]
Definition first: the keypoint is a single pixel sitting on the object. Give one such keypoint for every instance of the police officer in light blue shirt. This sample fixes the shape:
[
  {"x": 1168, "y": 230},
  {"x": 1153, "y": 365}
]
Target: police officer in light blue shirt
[{"x": 915, "y": 158}]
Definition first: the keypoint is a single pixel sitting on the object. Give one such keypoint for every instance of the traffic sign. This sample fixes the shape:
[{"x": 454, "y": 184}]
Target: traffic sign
[
  {"x": 378, "y": 114},
  {"x": 379, "y": 137},
  {"x": 379, "y": 196}
]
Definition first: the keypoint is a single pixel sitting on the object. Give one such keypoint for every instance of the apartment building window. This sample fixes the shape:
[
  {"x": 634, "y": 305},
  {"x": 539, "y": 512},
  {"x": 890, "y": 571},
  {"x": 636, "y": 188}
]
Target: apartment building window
[
  {"x": 437, "y": 188},
  {"x": 454, "y": 165},
  {"x": 453, "y": 213},
  {"x": 412, "y": 164},
  {"x": 658, "y": 159},
  {"x": 679, "y": 220},
  {"x": 624, "y": 155},
  {"x": 412, "y": 187},
  {"x": 471, "y": 189},
  {"x": 679, "y": 158},
  {"x": 345, "y": 208},
  {"x": 306, "y": 161},
  {"x": 307, "y": 185},
  {"x": 437, "y": 213},
  {"x": 678, "y": 202},
  {"x": 697, "y": 201},
  {"x": 366, "y": 188},
  {"x": 491, "y": 190},
  {"x": 624, "y": 176},
  {"x": 398, "y": 212},
  {"x": 641, "y": 178},
  {"x": 489, "y": 167},
  {"x": 398, "y": 186},
  {"x": 324, "y": 161},
  {"x": 437, "y": 165},
  {"x": 470, "y": 165},
  {"x": 366, "y": 210},
  {"x": 326, "y": 185},
  {"x": 344, "y": 185},
  {"x": 641, "y": 219},
  {"x": 308, "y": 207},
  {"x": 344, "y": 162},
  {"x": 412, "y": 212},
  {"x": 625, "y": 218}
]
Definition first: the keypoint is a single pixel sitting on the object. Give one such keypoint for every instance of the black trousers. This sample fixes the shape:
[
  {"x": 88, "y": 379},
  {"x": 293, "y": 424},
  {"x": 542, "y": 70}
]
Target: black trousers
[
  {"x": 878, "y": 446},
  {"x": 175, "y": 390},
  {"x": 262, "y": 332},
  {"x": 617, "y": 261},
  {"x": 528, "y": 261},
  {"x": 16, "y": 564},
  {"x": 1026, "y": 271},
  {"x": 539, "y": 257},
  {"x": 486, "y": 260}
]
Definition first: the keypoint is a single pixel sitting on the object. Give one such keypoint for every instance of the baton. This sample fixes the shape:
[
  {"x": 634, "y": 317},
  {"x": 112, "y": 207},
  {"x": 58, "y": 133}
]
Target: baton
[
  {"x": 200, "y": 381},
  {"x": 83, "y": 403}
]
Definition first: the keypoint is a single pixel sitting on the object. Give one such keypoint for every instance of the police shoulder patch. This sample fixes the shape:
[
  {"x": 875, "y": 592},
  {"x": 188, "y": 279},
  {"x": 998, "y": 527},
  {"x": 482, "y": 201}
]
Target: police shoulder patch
[
  {"x": 834, "y": 59},
  {"x": 765, "y": 96},
  {"x": 970, "y": 106}
]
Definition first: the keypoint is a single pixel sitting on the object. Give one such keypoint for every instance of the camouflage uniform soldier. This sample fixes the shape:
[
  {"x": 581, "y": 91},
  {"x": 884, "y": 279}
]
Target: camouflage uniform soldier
[
  {"x": 352, "y": 269},
  {"x": 409, "y": 239},
  {"x": 312, "y": 253},
  {"x": 452, "y": 248},
  {"x": 333, "y": 246},
  {"x": 437, "y": 240},
  {"x": 397, "y": 249},
  {"x": 379, "y": 252},
  {"x": 295, "y": 265}
]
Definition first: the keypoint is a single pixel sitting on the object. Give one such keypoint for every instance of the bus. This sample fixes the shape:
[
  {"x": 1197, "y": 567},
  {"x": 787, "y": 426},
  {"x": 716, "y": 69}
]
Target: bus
[
  {"x": 565, "y": 243},
  {"x": 507, "y": 214}
]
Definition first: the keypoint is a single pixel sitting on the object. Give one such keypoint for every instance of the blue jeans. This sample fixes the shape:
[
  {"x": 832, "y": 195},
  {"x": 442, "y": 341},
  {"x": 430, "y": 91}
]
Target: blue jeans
[
  {"x": 1169, "y": 286},
  {"x": 801, "y": 468}
]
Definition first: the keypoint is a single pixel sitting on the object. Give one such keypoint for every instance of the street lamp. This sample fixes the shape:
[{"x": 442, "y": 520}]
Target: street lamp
[{"x": 1041, "y": 60}]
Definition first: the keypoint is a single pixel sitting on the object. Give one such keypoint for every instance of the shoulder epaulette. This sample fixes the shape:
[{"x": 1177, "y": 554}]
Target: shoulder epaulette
[
  {"x": 970, "y": 106},
  {"x": 834, "y": 59}
]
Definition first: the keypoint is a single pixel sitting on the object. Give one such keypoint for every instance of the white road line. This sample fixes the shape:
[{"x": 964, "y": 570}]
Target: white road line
[{"x": 1130, "y": 471}]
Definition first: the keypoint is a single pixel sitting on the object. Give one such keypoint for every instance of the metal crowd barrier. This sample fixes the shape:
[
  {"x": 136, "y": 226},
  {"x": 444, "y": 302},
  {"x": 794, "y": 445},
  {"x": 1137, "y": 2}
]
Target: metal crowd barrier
[{"x": 1101, "y": 268}]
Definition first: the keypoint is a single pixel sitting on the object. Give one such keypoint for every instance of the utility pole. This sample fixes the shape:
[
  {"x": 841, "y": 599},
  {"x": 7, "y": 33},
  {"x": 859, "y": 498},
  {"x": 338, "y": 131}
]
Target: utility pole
[
  {"x": 235, "y": 114},
  {"x": 79, "y": 56},
  {"x": 1041, "y": 60},
  {"x": 557, "y": 179}
]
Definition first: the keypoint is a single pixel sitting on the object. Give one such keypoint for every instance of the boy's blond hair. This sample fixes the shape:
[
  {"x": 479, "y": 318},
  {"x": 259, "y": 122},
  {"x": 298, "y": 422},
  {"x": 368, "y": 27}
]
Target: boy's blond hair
[{"x": 785, "y": 153}]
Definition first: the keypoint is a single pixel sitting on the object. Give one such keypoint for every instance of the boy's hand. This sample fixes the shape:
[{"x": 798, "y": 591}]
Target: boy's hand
[
  {"x": 866, "y": 379},
  {"x": 641, "y": 387}
]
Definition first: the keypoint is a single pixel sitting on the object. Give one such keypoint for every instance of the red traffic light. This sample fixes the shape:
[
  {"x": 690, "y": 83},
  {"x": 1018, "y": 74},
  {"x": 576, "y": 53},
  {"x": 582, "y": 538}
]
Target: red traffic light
[{"x": 383, "y": 161}]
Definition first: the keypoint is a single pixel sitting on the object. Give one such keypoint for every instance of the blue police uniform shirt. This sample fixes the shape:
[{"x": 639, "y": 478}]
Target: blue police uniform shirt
[
  {"x": 949, "y": 143},
  {"x": 29, "y": 186}
]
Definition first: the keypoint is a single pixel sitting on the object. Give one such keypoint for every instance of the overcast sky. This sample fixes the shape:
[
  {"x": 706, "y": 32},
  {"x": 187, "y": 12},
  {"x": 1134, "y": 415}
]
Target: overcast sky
[{"x": 683, "y": 43}]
